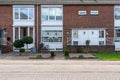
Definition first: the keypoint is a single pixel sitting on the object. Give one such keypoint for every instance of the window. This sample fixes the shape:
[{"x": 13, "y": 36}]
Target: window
[
  {"x": 101, "y": 42},
  {"x": 23, "y": 13},
  {"x": 101, "y": 34},
  {"x": 2, "y": 41},
  {"x": 117, "y": 33},
  {"x": 75, "y": 33},
  {"x": 51, "y": 14},
  {"x": 117, "y": 13},
  {"x": 82, "y": 12},
  {"x": 94, "y": 12},
  {"x": 51, "y": 36},
  {"x": 75, "y": 42}
]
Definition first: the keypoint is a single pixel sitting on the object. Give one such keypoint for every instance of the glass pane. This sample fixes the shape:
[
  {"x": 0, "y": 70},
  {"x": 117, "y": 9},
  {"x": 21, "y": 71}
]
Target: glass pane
[
  {"x": 45, "y": 13},
  {"x": 52, "y": 14},
  {"x": 31, "y": 13},
  {"x": 117, "y": 33},
  {"x": 31, "y": 32},
  {"x": 52, "y": 36},
  {"x": 75, "y": 33},
  {"x": 23, "y": 13},
  {"x": 117, "y": 13},
  {"x": 1, "y": 33},
  {"x": 16, "y": 33},
  {"x": 58, "y": 13},
  {"x": 16, "y": 14},
  {"x": 101, "y": 34}
]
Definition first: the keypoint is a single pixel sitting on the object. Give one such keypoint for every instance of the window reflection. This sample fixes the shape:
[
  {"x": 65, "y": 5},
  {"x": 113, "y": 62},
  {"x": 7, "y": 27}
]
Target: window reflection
[
  {"x": 117, "y": 13},
  {"x": 51, "y": 14},
  {"x": 51, "y": 36},
  {"x": 24, "y": 13}
]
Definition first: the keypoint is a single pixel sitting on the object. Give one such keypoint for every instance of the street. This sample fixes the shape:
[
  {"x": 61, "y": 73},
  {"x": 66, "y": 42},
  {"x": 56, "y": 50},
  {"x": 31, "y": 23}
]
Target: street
[{"x": 59, "y": 70}]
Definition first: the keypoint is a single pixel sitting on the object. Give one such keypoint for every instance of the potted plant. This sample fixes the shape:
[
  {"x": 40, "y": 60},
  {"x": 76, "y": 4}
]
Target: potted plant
[
  {"x": 27, "y": 40},
  {"x": 87, "y": 42}
]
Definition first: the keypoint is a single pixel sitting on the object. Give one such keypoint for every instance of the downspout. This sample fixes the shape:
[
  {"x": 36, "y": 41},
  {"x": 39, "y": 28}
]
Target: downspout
[{"x": 37, "y": 27}]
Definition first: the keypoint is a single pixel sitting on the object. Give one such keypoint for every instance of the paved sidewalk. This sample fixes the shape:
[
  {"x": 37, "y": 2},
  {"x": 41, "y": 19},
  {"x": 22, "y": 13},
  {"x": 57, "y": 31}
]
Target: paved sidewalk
[{"x": 26, "y": 56}]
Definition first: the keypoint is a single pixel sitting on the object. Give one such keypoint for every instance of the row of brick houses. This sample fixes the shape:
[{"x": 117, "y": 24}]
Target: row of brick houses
[{"x": 58, "y": 23}]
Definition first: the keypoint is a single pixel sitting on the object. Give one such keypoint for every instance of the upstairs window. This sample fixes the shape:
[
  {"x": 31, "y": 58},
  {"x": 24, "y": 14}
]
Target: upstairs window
[
  {"x": 117, "y": 13},
  {"x": 51, "y": 14},
  {"x": 82, "y": 12},
  {"x": 94, "y": 12},
  {"x": 23, "y": 13}
]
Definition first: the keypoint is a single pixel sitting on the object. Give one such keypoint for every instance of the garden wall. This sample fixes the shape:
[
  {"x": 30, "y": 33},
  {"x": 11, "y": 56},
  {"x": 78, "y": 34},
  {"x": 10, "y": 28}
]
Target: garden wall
[{"x": 107, "y": 48}]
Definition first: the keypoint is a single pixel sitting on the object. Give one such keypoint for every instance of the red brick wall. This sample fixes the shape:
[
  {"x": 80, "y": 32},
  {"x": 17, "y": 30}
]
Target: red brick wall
[
  {"x": 6, "y": 22},
  {"x": 37, "y": 20},
  {"x": 105, "y": 19}
]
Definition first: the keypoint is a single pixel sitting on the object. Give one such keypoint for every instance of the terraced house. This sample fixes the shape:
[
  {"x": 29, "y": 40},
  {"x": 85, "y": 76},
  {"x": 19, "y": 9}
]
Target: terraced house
[{"x": 59, "y": 23}]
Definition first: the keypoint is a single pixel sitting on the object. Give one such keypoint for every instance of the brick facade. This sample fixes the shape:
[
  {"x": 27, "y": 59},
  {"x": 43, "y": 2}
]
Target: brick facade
[
  {"x": 6, "y": 22},
  {"x": 37, "y": 25},
  {"x": 105, "y": 19},
  {"x": 71, "y": 19}
]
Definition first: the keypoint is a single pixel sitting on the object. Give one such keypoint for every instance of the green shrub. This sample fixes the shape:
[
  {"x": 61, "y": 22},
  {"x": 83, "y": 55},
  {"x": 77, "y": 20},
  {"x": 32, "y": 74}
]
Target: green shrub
[
  {"x": 81, "y": 57},
  {"x": 39, "y": 57},
  {"x": 79, "y": 50},
  {"x": 66, "y": 53},
  {"x": 21, "y": 50},
  {"x": 27, "y": 40},
  {"x": 52, "y": 54},
  {"x": 87, "y": 42},
  {"x": 18, "y": 43}
]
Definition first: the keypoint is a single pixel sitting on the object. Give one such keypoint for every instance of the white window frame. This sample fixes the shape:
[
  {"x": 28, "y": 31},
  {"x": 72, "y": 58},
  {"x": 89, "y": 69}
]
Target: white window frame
[
  {"x": 94, "y": 12},
  {"x": 54, "y": 15},
  {"x": 23, "y": 6},
  {"x": 82, "y": 12}
]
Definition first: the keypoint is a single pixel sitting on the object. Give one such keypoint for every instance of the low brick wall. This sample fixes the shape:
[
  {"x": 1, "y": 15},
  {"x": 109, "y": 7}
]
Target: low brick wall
[
  {"x": 107, "y": 48},
  {"x": 4, "y": 48}
]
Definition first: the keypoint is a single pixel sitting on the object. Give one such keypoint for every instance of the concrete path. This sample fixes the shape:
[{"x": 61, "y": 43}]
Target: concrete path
[{"x": 59, "y": 70}]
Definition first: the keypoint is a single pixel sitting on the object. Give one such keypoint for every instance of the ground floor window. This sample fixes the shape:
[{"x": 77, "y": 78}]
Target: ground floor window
[
  {"x": 117, "y": 35},
  {"x": 20, "y": 32},
  {"x": 2, "y": 39},
  {"x": 52, "y": 36}
]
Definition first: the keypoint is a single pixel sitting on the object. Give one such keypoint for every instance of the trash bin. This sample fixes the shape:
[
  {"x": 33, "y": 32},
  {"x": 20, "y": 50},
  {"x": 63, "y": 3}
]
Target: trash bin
[{"x": 33, "y": 50}]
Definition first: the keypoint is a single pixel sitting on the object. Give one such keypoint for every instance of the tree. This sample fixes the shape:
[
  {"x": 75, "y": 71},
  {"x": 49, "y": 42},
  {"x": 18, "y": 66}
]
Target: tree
[
  {"x": 18, "y": 44},
  {"x": 27, "y": 40}
]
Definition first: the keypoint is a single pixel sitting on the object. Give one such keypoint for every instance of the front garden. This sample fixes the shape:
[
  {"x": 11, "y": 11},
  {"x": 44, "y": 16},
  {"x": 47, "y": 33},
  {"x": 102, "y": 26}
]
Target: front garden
[{"x": 107, "y": 56}]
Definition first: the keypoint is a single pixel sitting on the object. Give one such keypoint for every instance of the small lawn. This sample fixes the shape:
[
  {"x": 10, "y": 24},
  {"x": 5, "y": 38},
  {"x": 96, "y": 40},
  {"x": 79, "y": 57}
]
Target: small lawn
[{"x": 107, "y": 56}]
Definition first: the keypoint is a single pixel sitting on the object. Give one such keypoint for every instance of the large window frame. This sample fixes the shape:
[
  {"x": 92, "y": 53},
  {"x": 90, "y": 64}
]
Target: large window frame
[
  {"x": 18, "y": 12},
  {"x": 52, "y": 36},
  {"x": 52, "y": 14}
]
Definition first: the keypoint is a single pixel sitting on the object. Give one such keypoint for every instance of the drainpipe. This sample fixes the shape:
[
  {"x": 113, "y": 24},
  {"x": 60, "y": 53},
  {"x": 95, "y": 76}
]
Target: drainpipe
[{"x": 37, "y": 28}]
